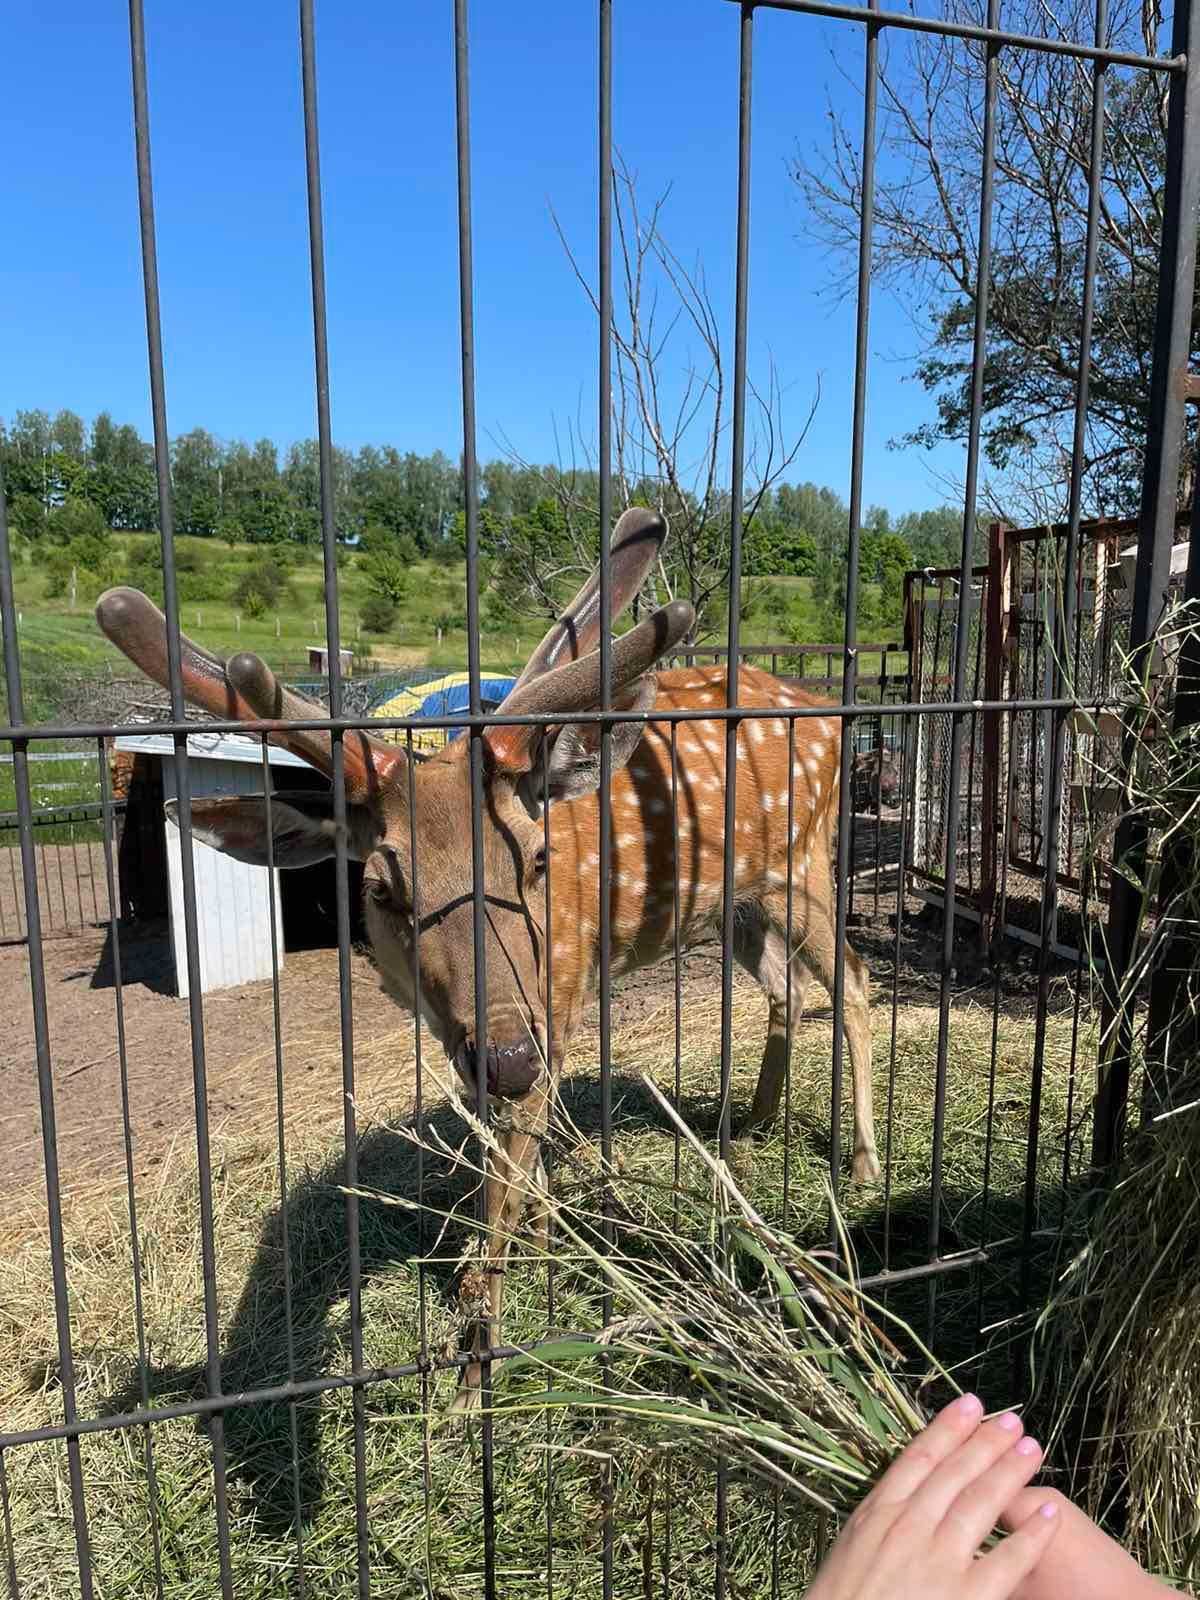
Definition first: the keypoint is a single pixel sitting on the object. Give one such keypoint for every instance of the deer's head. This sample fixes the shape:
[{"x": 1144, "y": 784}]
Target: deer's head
[{"x": 409, "y": 822}]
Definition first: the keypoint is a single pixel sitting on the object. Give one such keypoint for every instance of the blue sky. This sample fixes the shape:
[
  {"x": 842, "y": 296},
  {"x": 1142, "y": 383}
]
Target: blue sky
[{"x": 229, "y": 178}]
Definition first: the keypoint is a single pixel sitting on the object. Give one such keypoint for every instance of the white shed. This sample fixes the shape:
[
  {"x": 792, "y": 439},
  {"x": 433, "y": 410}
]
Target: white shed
[{"x": 232, "y": 909}]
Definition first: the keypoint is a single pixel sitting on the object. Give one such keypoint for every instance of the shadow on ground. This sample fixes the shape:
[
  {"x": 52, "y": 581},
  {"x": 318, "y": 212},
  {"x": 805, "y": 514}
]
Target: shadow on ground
[{"x": 284, "y": 1475}]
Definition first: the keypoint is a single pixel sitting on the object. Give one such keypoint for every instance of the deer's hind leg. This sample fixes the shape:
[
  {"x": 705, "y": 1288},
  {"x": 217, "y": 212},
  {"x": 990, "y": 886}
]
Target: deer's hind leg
[
  {"x": 815, "y": 949},
  {"x": 760, "y": 945}
]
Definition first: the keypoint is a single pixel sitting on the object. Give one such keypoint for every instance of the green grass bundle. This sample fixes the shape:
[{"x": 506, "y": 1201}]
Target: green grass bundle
[
  {"x": 1119, "y": 1352},
  {"x": 1118, "y": 1349},
  {"x": 724, "y": 1333}
]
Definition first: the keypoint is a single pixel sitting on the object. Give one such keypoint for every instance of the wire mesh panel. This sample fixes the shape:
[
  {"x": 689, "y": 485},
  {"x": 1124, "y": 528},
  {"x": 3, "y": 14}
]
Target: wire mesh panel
[
  {"x": 337, "y": 1222},
  {"x": 934, "y": 608}
]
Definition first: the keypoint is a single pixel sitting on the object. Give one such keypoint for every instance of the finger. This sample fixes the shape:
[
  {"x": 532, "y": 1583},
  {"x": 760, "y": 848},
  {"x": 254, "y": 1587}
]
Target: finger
[
  {"x": 945, "y": 1434},
  {"x": 930, "y": 1502},
  {"x": 976, "y": 1510},
  {"x": 1022, "y": 1506},
  {"x": 997, "y": 1574}
]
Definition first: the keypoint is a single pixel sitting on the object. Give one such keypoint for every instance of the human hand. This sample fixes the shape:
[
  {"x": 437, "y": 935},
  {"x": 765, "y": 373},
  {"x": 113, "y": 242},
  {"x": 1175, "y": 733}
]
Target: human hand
[
  {"x": 917, "y": 1534},
  {"x": 1082, "y": 1561}
]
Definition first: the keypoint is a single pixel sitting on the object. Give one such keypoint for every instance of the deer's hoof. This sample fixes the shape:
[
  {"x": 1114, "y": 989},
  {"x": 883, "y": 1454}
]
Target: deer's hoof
[
  {"x": 759, "y": 1122},
  {"x": 864, "y": 1168}
]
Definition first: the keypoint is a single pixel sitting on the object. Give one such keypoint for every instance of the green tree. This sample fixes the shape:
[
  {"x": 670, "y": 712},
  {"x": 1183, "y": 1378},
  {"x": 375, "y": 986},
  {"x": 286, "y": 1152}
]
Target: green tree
[
  {"x": 260, "y": 588},
  {"x": 377, "y": 613},
  {"x": 69, "y": 436},
  {"x": 27, "y": 516},
  {"x": 196, "y": 480},
  {"x": 387, "y": 576},
  {"x": 79, "y": 550}
]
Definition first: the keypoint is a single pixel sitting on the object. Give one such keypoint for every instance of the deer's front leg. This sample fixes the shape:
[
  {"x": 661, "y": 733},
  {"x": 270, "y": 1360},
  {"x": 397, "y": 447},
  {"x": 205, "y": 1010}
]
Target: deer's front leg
[{"x": 506, "y": 1194}]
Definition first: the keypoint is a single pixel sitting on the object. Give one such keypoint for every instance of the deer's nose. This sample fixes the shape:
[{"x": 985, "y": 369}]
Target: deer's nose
[{"x": 512, "y": 1069}]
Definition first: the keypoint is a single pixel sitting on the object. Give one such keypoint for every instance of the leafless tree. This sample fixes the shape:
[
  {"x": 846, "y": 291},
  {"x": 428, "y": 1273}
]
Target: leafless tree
[
  {"x": 672, "y": 410},
  {"x": 926, "y": 245}
]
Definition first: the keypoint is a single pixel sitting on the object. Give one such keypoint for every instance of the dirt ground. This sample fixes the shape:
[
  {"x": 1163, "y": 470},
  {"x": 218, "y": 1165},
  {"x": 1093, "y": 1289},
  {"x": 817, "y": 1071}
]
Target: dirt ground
[{"x": 239, "y": 1046}]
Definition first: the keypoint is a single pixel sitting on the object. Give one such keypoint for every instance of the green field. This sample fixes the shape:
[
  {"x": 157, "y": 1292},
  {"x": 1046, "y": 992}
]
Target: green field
[{"x": 59, "y": 638}]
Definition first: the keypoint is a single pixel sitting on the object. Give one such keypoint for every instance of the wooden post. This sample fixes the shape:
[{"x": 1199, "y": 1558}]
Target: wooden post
[
  {"x": 997, "y": 642},
  {"x": 237, "y": 621}
]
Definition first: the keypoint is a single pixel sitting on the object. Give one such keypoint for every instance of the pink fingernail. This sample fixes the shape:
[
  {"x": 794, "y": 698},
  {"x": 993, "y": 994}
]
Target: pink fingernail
[
  {"x": 968, "y": 1405},
  {"x": 1028, "y": 1447},
  {"x": 1010, "y": 1422},
  {"x": 1048, "y": 1510}
]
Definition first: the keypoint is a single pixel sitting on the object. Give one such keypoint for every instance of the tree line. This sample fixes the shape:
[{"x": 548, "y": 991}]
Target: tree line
[{"x": 68, "y": 485}]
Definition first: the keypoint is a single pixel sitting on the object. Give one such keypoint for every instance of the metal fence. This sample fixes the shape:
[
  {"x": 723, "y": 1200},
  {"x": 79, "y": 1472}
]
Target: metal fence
[
  {"x": 1007, "y": 781},
  {"x": 940, "y": 1229}
]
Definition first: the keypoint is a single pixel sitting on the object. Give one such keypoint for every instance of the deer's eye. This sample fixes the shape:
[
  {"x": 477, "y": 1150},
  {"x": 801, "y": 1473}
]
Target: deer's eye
[
  {"x": 539, "y": 861},
  {"x": 385, "y": 888},
  {"x": 378, "y": 892}
]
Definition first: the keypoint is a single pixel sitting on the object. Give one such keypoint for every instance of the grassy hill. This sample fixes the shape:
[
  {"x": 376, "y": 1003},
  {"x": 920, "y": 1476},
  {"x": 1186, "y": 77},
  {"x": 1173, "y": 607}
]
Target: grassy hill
[{"x": 58, "y": 636}]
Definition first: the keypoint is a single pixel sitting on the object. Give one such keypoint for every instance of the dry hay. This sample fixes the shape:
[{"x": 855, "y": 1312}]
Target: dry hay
[{"x": 423, "y": 1482}]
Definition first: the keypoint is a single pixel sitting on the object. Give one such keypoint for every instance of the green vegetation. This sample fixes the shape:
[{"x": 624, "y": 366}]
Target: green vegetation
[{"x": 82, "y": 509}]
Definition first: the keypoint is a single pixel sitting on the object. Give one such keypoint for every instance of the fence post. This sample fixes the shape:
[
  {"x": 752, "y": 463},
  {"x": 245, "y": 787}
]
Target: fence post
[
  {"x": 1173, "y": 1029},
  {"x": 998, "y": 600},
  {"x": 1169, "y": 388}
]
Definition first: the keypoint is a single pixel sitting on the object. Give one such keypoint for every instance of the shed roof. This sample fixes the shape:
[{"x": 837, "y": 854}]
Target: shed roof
[{"x": 210, "y": 747}]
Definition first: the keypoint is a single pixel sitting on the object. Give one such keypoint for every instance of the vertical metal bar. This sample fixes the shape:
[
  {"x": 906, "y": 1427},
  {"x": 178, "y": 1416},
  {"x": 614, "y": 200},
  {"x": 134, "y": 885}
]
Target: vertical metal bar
[
  {"x": 1156, "y": 525},
  {"x": 10, "y": 1553},
  {"x": 737, "y": 502},
  {"x": 850, "y": 650},
  {"x": 789, "y": 1015},
  {"x": 990, "y": 1121},
  {"x": 62, "y": 884},
  {"x": 466, "y": 307},
  {"x": 907, "y": 805},
  {"x": 957, "y": 726},
  {"x": 995, "y": 660},
  {"x": 1066, "y": 587},
  {"x": 43, "y": 856},
  {"x": 41, "y": 1039},
  {"x": 316, "y": 250},
  {"x": 677, "y": 969},
  {"x": 162, "y": 464},
  {"x": 737, "y": 493},
  {"x": 108, "y": 827},
  {"x": 419, "y": 1119},
  {"x": 604, "y": 295},
  {"x": 549, "y": 1220},
  {"x": 1172, "y": 1025},
  {"x": 285, "y": 1236}
]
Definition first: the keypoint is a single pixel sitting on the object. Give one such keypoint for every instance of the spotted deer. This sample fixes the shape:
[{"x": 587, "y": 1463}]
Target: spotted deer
[{"x": 661, "y": 833}]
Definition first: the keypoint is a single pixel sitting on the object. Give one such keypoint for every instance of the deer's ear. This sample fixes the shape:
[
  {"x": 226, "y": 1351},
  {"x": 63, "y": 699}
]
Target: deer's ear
[
  {"x": 574, "y": 753},
  {"x": 303, "y": 830}
]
